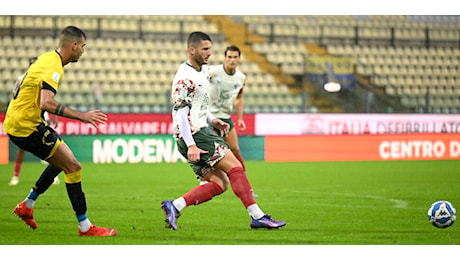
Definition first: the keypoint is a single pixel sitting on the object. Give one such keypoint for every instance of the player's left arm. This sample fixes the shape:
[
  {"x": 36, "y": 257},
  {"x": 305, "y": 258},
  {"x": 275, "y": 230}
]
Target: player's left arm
[
  {"x": 48, "y": 103},
  {"x": 239, "y": 110}
]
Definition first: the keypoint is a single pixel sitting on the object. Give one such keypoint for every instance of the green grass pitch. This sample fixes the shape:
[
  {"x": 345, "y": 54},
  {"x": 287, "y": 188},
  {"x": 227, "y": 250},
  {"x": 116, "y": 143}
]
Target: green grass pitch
[{"x": 323, "y": 203}]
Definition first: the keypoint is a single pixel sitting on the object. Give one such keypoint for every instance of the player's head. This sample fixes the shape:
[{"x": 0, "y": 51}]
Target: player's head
[
  {"x": 232, "y": 58},
  {"x": 232, "y": 48},
  {"x": 199, "y": 46},
  {"x": 74, "y": 40}
]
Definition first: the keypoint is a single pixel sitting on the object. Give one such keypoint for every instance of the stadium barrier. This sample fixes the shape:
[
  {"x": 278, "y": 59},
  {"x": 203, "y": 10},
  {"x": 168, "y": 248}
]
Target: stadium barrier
[
  {"x": 135, "y": 138},
  {"x": 162, "y": 148},
  {"x": 158, "y": 148}
]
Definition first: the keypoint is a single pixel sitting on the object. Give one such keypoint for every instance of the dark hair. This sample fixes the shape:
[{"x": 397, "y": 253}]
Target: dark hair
[
  {"x": 195, "y": 38},
  {"x": 232, "y": 48},
  {"x": 72, "y": 32}
]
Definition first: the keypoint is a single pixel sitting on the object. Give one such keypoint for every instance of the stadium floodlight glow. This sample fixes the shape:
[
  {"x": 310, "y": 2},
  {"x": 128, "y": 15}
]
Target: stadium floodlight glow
[{"x": 332, "y": 87}]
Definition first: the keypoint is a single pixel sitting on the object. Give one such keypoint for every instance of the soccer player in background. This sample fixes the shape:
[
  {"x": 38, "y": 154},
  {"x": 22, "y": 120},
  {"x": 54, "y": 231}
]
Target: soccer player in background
[
  {"x": 226, "y": 91},
  {"x": 26, "y": 128},
  {"x": 207, "y": 153},
  {"x": 20, "y": 152}
]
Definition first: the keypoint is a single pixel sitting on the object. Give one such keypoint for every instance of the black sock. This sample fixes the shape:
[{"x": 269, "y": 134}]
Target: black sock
[
  {"x": 46, "y": 179},
  {"x": 77, "y": 197}
]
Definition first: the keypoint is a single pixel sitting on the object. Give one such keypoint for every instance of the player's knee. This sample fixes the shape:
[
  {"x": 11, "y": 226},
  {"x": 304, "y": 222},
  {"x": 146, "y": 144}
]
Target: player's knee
[
  {"x": 223, "y": 184},
  {"x": 73, "y": 166},
  {"x": 73, "y": 172}
]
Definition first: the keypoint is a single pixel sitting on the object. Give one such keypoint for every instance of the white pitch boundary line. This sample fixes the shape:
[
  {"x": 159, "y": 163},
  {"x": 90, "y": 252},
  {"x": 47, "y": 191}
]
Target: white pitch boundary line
[
  {"x": 401, "y": 204},
  {"x": 397, "y": 203}
]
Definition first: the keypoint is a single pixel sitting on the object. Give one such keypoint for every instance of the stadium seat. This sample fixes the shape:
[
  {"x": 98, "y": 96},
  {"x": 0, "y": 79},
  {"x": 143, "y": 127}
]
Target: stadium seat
[{"x": 154, "y": 60}]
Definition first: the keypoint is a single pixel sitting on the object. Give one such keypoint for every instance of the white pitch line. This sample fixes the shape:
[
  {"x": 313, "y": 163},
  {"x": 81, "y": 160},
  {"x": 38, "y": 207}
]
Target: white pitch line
[
  {"x": 397, "y": 203},
  {"x": 401, "y": 204}
]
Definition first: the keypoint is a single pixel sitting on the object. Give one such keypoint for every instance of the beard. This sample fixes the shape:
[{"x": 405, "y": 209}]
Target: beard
[
  {"x": 76, "y": 59},
  {"x": 202, "y": 61}
]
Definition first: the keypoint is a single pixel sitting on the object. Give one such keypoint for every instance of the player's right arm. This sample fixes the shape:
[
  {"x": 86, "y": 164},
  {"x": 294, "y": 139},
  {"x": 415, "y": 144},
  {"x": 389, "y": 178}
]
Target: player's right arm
[
  {"x": 193, "y": 152},
  {"x": 48, "y": 103}
]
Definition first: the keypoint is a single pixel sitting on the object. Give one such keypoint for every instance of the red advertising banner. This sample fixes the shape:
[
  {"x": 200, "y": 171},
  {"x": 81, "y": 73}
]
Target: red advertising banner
[
  {"x": 130, "y": 124},
  {"x": 362, "y": 147}
]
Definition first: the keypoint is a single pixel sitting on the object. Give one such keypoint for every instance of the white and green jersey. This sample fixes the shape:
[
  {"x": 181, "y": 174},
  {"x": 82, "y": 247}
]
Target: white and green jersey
[
  {"x": 223, "y": 90},
  {"x": 190, "y": 89}
]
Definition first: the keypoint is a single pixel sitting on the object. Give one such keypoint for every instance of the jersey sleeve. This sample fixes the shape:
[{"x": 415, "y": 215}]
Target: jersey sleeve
[
  {"x": 184, "y": 91},
  {"x": 52, "y": 75}
]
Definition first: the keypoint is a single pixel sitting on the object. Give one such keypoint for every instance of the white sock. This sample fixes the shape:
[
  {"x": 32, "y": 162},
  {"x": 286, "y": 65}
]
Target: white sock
[
  {"x": 30, "y": 203},
  {"x": 255, "y": 212},
  {"x": 179, "y": 203},
  {"x": 84, "y": 225}
]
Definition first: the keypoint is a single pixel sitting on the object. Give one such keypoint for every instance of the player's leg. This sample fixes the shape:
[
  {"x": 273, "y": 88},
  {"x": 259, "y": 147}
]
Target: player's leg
[
  {"x": 65, "y": 159},
  {"x": 217, "y": 183},
  {"x": 17, "y": 166},
  {"x": 237, "y": 177},
  {"x": 243, "y": 190},
  {"x": 232, "y": 140},
  {"x": 41, "y": 143},
  {"x": 46, "y": 179},
  {"x": 42, "y": 184},
  {"x": 217, "y": 180},
  {"x": 47, "y": 145}
]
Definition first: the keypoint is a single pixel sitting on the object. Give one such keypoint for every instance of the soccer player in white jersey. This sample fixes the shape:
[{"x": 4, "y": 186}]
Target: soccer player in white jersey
[
  {"x": 207, "y": 153},
  {"x": 226, "y": 90}
]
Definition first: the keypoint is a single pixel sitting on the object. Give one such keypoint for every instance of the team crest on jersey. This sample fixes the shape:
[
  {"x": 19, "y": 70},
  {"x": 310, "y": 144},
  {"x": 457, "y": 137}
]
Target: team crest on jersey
[{"x": 56, "y": 76}]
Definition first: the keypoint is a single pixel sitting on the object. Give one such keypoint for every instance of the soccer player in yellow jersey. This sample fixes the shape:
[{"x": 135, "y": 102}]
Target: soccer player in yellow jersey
[
  {"x": 20, "y": 153},
  {"x": 26, "y": 128}
]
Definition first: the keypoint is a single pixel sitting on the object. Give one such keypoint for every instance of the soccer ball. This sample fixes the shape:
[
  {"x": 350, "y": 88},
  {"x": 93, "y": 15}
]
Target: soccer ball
[{"x": 442, "y": 214}]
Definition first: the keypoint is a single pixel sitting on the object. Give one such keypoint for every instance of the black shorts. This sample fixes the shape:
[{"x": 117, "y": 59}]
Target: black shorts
[{"x": 43, "y": 142}]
